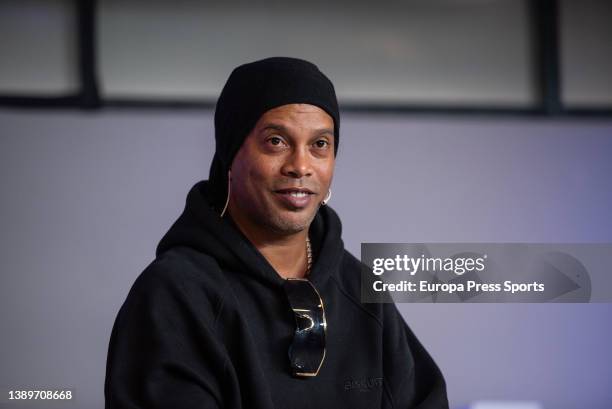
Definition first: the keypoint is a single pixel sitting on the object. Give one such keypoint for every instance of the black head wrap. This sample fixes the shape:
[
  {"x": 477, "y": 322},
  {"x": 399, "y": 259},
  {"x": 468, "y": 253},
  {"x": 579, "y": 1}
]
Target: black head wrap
[{"x": 250, "y": 91}]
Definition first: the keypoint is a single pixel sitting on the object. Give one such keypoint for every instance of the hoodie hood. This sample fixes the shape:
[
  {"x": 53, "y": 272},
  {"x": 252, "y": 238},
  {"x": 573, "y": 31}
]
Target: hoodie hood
[{"x": 201, "y": 228}]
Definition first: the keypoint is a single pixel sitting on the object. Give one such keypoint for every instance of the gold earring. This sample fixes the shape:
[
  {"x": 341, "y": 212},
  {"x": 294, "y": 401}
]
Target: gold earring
[{"x": 229, "y": 184}]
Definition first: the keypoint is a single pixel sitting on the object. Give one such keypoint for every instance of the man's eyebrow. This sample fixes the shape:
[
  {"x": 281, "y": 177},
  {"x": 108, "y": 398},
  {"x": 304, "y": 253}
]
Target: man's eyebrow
[
  {"x": 283, "y": 129},
  {"x": 275, "y": 127},
  {"x": 324, "y": 131}
]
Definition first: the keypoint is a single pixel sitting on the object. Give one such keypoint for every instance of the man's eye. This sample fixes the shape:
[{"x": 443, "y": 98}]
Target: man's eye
[
  {"x": 275, "y": 140},
  {"x": 321, "y": 143}
]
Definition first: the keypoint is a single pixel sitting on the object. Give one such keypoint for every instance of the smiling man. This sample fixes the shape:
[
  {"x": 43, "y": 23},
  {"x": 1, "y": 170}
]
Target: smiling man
[
  {"x": 252, "y": 300},
  {"x": 279, "y": 178}
]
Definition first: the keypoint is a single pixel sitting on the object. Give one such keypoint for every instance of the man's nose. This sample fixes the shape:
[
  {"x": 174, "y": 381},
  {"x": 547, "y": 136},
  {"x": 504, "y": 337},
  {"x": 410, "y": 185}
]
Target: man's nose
[{"x": 298, "y": 164}]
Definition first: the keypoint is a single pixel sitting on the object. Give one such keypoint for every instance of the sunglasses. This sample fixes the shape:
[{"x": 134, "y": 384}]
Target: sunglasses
[{"x": 307, "y": 351}]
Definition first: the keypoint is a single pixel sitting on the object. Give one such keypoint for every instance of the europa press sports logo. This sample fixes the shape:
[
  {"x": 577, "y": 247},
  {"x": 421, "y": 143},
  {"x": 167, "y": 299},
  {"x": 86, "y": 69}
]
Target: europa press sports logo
[{"x": 489, "y": 272}]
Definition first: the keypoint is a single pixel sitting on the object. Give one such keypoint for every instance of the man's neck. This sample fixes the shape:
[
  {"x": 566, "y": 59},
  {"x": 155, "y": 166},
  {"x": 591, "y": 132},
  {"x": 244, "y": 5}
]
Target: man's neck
[{"x": 287, "y": 254}]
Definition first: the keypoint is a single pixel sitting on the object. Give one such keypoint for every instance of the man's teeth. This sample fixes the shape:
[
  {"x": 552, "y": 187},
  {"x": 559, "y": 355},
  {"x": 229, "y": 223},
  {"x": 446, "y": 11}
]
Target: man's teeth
[{"x": 298, "y": 194}]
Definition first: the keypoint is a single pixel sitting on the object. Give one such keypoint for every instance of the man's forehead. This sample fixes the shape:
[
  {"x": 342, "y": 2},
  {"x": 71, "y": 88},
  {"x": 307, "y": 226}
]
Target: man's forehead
[
  {"x": 301, "y": 108},
  {"x": 300, "y": 115}
]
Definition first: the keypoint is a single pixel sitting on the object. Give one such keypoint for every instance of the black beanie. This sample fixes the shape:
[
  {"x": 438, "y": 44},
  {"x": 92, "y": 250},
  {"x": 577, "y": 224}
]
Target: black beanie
[{"x": 250, "y": 91}]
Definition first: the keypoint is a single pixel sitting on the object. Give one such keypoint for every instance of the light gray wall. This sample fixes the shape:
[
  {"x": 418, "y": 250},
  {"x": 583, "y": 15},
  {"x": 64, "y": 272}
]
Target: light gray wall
[
  {"x": 586, "y": 52},
  {"x": 410, "y": 51},
  {"x": 87, "y": 196},
  {"x": 440, "y": 51},
  {"x": 38, "y": 51}
]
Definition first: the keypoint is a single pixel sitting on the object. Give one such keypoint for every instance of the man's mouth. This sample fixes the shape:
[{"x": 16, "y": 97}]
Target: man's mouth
[
  {"x": 296, "y": 191},
  {"x": 295, "y": 197}
]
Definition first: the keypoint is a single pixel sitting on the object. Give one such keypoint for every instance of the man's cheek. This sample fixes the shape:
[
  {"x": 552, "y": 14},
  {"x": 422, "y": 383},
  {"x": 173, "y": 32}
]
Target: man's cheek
[{"x": 255, "y": 178}]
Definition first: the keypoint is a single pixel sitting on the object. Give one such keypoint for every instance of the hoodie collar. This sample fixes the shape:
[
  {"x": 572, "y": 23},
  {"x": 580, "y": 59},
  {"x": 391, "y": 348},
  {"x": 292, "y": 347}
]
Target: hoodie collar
[{"x": 201, "y": 228}]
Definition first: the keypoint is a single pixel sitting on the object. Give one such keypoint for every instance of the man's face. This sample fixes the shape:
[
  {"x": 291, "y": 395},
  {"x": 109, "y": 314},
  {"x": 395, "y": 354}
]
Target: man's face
[{"x": 284, "y": 169}]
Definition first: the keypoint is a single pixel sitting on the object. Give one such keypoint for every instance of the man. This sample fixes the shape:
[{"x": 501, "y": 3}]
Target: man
[{"x": 252, "y": 301}]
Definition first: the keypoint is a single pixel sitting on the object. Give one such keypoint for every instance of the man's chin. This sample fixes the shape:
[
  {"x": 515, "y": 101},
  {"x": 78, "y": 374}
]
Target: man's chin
[{"x": 284, "y": 224}]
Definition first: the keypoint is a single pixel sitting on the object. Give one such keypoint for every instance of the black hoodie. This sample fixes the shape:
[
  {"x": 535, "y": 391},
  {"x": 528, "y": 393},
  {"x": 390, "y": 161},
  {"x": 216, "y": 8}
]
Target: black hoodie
[{"x": 207, "y": 325}]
